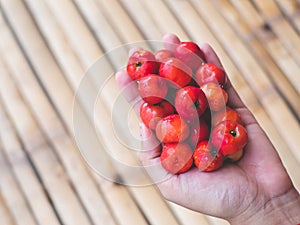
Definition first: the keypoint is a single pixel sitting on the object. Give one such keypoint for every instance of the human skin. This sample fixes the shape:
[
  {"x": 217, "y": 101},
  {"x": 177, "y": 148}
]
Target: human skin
[{"x": 255, "y": 190}]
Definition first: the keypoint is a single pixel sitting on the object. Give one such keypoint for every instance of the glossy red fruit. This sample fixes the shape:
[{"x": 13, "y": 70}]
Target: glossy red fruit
[
  {"x": 190, "y": 54},
  {"x": 199, "y": 131},
  {"x": 151, "y": 114},
  {"x": 216, "y": 96},
  {"x": 190, "y": 102},
  {"x": 210, "y": 73},
  {"x": 176, "y": 71},
  {"x": 226, "y": 114},
  {"x": 152, "y": 88},
  {"x": 206, "y": 158},
  {"x": 229, "y": 137},
  {"x": 141, "y": 63},
  {"x": 176, "y": 158},
  {"x": 162, "y": 55},
  {"x": 172, "y": 129}
]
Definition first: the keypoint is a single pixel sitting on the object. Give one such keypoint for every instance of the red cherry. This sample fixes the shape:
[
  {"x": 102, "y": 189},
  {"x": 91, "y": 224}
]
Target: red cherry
[
  {"x": 172, "y": 129},
  {"x": 153, "y": 88},
  {"x": 190, "y": 54},
  {"x": 176, "y": 71},
  {"x": 176, "y": 158},
  {"x": 141, "y": 63}
]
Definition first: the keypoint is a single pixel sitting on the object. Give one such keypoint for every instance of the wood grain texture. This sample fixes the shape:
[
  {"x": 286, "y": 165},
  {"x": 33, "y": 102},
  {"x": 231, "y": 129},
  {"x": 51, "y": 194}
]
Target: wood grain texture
[{"x": 50, "y": 51}]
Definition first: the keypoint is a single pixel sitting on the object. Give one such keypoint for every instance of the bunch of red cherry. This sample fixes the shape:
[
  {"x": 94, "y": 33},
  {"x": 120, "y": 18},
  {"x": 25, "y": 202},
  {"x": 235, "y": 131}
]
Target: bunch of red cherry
[{"x": 185, "y": 105}]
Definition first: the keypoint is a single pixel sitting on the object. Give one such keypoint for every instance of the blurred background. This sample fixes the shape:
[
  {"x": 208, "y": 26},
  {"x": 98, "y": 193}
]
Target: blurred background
[{"x": 46, "y": 47}]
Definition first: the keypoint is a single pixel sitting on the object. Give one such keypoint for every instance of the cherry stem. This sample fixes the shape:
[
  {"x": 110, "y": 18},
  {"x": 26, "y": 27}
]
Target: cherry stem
[
  {"x": 196, "y": 103},
  {"x": 138, "y": 64},
  {"x": 233, "y": 133}
]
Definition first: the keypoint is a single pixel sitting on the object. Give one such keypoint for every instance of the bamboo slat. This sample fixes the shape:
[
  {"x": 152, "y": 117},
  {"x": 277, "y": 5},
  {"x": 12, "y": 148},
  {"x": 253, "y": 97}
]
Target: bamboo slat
[
  {"x": 42, "y": 156},
  {"x": 4, "y": 212},
  {"x": 120, "y": 21},
  {"x": 277, "y": 77},
  {"x": 25, "y": 175},
  {"x": 55, "y": 181},
  {"x": 292, "y": 11},
  {"x": 284, "y": 31},
  {"x": 12, "y": 195},
  {"x": 48, "y": 49},
  {"x": 278, "y": 52},
  {"x": 143, "y": 19}
]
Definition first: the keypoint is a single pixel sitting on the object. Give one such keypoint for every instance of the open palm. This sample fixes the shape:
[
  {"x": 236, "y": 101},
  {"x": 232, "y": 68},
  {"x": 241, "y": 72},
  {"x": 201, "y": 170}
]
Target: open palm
[{"x": 239, "y": 190}]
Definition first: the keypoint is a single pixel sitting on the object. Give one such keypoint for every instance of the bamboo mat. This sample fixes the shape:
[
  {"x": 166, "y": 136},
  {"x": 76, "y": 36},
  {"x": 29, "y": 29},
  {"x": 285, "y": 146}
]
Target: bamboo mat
[{"x": 46, "y": 48}]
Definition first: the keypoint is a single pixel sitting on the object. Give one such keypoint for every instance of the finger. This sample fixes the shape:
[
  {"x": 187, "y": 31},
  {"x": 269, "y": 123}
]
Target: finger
[
  {"x": 234, "y": 100},
  {"x": 210, "y": 55},
  {"x": 127, "y": 85},
  {"x": 151, "y": 148},
  {"x": 150, "y": 156},
  {"x": 170, "y": 41}
]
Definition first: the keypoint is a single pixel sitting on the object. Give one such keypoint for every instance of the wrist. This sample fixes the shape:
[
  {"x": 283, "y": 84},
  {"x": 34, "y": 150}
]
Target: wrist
[{"x": 283, "y": 210}]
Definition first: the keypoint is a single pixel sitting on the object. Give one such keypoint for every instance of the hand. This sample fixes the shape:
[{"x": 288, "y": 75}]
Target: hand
[{"x": 255, "y": 190}]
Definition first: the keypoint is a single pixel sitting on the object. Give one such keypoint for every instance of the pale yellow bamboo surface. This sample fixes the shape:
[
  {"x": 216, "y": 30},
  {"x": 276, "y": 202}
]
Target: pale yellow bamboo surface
[{"x": 46, "y": 48}]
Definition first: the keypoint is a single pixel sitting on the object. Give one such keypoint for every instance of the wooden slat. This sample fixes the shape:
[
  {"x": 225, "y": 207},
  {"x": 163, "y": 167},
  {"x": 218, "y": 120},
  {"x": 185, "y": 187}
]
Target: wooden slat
[
  {"x": 285, "y": 32},
  {"x": 120, "y": 21},
  {"x": 277, "y": 77},
  {"x": 23, "y": 171},
  {"x": 291, "y": 9},
  {"x": 143, "y": 19},
  {"x": 55, "y": 180},
  {"x": 278, "y": 52},
  {"x": 46, "y": 163},
  {"x": 13, "y": 196},
  {"x": 4, "y": 212},
  {"x": 62, "y": 39}
]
